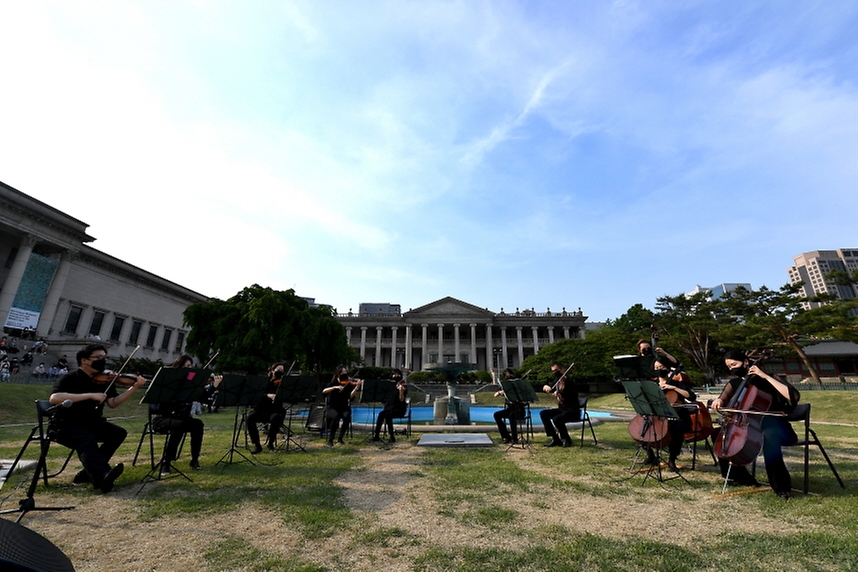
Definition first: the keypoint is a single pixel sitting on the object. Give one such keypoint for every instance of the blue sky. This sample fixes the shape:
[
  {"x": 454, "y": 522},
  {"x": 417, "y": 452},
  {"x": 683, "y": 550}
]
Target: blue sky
[{"x": 509, "y": 154}]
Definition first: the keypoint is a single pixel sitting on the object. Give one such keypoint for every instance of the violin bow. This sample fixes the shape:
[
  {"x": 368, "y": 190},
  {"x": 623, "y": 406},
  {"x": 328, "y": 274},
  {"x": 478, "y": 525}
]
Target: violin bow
[
  {"x": 116, "y": 374},
  {"x": 208, "y": 363}
]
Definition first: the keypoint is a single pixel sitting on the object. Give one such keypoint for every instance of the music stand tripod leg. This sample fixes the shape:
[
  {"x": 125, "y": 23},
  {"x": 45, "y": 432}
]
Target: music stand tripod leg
[{"x": 29, "y": 504}]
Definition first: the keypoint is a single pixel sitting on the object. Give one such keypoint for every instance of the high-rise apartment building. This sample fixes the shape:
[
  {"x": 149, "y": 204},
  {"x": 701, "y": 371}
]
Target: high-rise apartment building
[{"x": 813, "y": 267}]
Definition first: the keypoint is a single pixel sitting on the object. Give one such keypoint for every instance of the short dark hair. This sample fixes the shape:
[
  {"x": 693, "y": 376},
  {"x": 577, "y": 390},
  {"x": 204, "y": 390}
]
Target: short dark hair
[{"x": 84, "y": 353}]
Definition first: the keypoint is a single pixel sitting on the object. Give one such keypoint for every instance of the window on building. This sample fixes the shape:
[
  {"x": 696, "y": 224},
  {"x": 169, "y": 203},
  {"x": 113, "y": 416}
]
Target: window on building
[
  {"x": 180, "y": 341},
  {"x": 11, "y": 258},
  {"x": 118, "y": 322},
  {"x": 150, "y": 338},
  {"x": 136, "y": 326},
  {"x": 72, "y": 320},
  {"x": 95, "y": 325},
  {"x": 165, "y": 341}
]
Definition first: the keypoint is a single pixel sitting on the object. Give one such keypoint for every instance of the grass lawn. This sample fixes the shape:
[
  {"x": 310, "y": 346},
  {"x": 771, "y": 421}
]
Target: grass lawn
[{"x": 364, "y": 507}]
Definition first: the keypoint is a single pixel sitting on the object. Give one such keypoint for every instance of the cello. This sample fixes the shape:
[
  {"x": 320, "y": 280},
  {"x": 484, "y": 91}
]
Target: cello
[{"x": 741, "y": 437}]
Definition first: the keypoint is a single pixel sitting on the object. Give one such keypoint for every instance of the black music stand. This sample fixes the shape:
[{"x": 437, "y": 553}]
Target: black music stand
[
  {"x": 172, "y": 385},
  {"x": 292, "y": 390},
  {"x": 649, "y": 401},
  {"x": 520, "y": 392},
  {"x": 29, "y": 503},
  {"x": 376, "y": 391},
  {"x": 239, "y": 391}
]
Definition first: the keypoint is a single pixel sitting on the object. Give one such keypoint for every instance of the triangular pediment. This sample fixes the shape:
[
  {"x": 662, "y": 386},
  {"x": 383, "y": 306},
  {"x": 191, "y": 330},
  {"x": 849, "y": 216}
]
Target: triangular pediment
[{"x": 449, "y": 307}]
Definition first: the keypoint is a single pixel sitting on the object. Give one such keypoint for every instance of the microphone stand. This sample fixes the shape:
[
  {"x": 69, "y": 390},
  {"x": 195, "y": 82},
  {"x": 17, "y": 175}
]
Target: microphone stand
[{"x": 29, "y": 503}]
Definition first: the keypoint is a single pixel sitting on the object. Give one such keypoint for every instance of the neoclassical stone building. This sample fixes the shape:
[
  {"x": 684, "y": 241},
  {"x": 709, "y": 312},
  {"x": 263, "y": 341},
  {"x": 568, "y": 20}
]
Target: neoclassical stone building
[
  {"x": 63, "y": 290},
  {"x": 450, "y": 330}
]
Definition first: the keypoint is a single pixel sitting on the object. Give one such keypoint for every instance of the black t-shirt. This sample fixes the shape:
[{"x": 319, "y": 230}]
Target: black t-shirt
[{"x": 81, "y": 411}]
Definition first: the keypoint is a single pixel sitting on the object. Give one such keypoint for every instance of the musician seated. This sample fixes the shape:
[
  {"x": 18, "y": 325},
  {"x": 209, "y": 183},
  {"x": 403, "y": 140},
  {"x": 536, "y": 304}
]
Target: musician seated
[
  {"x": 339, "y": 393},
  {"x": 81, "y": 426},
  {"x": 776, "y": 430},
  {"x": 568, "y": 409},
  {"x": 393, "y": 409},
  {"x": 676, "y": 387},
  {"x": 176, "y": 419},
  {"x": 512, "y": 411},
  {"x": 268, "y": 410}
]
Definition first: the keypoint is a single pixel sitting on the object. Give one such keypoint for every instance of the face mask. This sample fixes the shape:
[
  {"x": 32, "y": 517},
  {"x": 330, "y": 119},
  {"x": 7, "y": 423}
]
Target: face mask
[
  {"x": 662, "y": 372},
  {"x": 99, "y": 365},
  {"x": 278, "y": 374},
  {"x": 739, "y": 371}
]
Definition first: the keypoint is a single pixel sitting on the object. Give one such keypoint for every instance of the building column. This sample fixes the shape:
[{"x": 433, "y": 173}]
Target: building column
[
  {"x": 393, "y": 347},
  {"x": 504, "y": 355},
  {"x": 378, "y": 346},
  {"x": 440, "y": 343},
  {"x": 456, "y": 342},
  {"x": 490, "y": 352},
  {"x": 425, "y": 355},
  {"x": 363, "y": 343},
  {"x": 550, "y": 334},
  {"x": 409, "y": 340},
  {"x": 566, "y": 332},
  {"x": 348, "y": 335},
  {"x": 535, "y": 331},
  {"x": 52, "y": 301},
  {"x": 473, "y": 355},
  {"x": 520, "y": 345},
  {"x": 16, "y": 273}
]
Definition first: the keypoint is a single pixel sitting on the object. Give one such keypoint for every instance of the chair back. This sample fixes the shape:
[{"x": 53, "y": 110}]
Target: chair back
[{"x": 800, "y": 413}]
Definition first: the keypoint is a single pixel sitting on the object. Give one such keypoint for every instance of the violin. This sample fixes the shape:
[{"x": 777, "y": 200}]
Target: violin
[{"x": 109, "y": 377}]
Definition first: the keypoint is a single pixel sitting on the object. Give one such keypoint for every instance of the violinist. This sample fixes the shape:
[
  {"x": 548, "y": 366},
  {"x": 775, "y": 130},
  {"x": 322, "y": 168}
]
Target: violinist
[
  {"x": 175, "y": 419},
  {"x": 81, "y": 425},
  {"x": 568, "y": 409},
  {"x": 340, "y": 392},
  {"x": 776, "y": 430},
  {"x": 678, "y": 391},
  {"x": 268, "y": 410},
  {"x": 513, "y": 410},
  {"x": 394, "y": 408}
]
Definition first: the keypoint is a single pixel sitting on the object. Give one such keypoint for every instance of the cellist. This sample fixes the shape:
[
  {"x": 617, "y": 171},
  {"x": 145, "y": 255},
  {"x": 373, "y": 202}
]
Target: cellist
[
  {"x": 776, "y": 430},
  {"x": 678, "y": 391}
]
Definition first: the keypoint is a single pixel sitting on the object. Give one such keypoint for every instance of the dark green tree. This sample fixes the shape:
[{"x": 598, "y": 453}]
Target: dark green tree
[
  {"x": 691, "y": 325},
  {"x": 766, "y": 318},
  {"x": 260, "y": 326}
]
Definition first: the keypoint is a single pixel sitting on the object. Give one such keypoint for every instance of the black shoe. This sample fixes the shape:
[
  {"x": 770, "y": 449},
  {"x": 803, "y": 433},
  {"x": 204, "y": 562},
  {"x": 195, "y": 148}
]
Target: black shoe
[
  {"x": 507, "y": 440},
  {"x": 256, "y": 449},
  {"x": 271, "y": 446},
  {"x": 786, "y": 495},
  {"x": 81, "y": 478},
  {"x": 554, "y": 443},
  {"x": 340, "y": 441},
  {"x": 166, "y": 469},
  {"x": 392, "y": 438},
  {"x": 376, "y": 438},
  {"x": 567, "y": 442},
  {"x": 111, "y": 476},
  {"x": 671, "y": 464},
  {"x": 329, "y": 442},
  {"x": 195, "y": 465}
]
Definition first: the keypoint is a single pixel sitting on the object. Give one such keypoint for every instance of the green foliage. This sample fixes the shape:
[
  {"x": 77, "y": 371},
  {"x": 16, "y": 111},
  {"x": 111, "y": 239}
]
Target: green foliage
[
  {"x": 480, "y": 376},
  {"x": 260, "y": 326},
  {"x": 427, "y": 376}
]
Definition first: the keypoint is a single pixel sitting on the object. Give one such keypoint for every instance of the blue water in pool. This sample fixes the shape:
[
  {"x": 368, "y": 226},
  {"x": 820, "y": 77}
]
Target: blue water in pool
[{"x": 426, "y": 414}]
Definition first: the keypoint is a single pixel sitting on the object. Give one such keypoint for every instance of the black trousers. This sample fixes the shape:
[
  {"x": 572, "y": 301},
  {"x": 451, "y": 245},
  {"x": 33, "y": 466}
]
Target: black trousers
[
  {"x": 777, "y": 432},
  {"x": 274, "y": 420},
  {"x": 176, "y": 428},
  {"x": 386, "y": 417},
  {"x": 333, "y": 417},
  {"x": 554, "y": 421},
  {"x": 84, "y": 438},
  {"x": 514, "y": 413}
]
